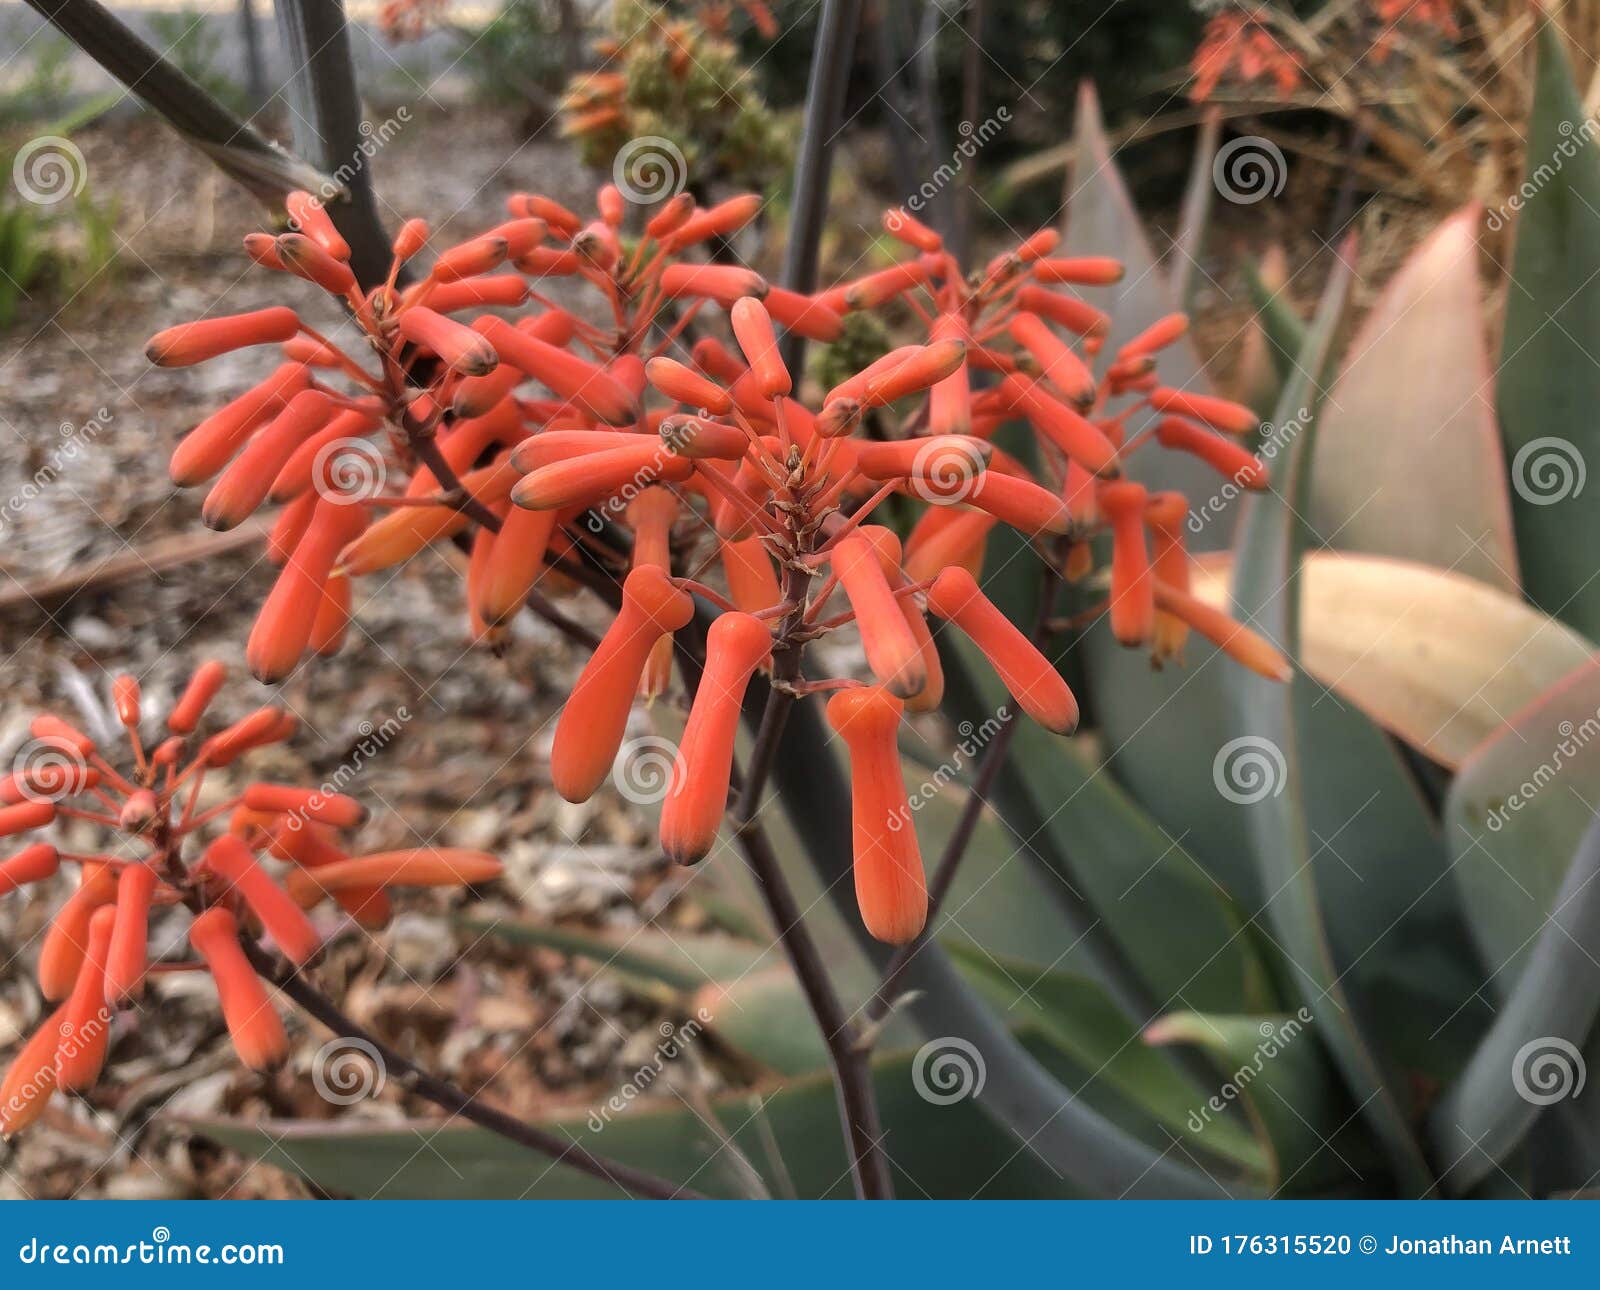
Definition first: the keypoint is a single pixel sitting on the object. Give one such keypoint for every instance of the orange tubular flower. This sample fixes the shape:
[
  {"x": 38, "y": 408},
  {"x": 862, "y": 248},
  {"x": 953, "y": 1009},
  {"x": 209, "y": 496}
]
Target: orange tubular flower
[
  {"x": 85, "y": 1022},
  {"x": 893, "y": 653},
  {"x": 1222, "y": 455},
  {"x": 1169, "y": 563},
  {"x": 308, "y": 803},
  {"x": 1236, "y": 640},
  {"x": 752, "y": 327},
  {"x": 1030, "y": 677},
  {"x": 698, "y": 796},
  {"x": 253, "y": 1024},
  {"x": 890, "y": 888},
  {"x": 284, "y": 627},
  {"x": 460, "y": 347},
  {"x": 30, "y": 1081},
  {"x": 1219, "y": 414},
  {"x": 429, "y": 868},
  {"x": 590, "y": 729},
  {"x": 127, "y": 953},
  {"x": 34, "y": 863},
  {"x": 1132, "y": 593},
  {"x": 195, "y": 342},
  {"x": 284, "y": 921}
]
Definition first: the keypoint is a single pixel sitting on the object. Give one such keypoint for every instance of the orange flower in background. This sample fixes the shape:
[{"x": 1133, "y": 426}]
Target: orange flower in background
[
  {"x": 95, "y": 955},
  {"x": 1240, "y": 45}
]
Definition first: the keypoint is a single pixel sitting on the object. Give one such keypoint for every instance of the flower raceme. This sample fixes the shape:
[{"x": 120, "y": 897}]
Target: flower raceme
[
  {"x": 94, "y": 958},
  {"x": 377, "y": 450},
  {"x": 775, "y": 482},
  {"x": 654, "y": 450}
]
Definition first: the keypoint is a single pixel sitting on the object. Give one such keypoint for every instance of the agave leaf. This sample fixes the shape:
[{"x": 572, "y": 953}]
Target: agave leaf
[
  {"x": 765, "y": 1016},
  {"x": 1549, "y": 382},
  {"x": 681, "y": 961},
  {"x": 1530, "y": 1058},
  {"x": 1274, "y": 1066},
  {"x": 1179, "y": 932},
  {"x": 1517, "y": 810},
  {"x": 1197, "y": 198},
  {"x": 1408, "y": 460},
  {"x": 1075, "y": 1014},
  {"x": 1432, "y": 656},
  {"x": 1266, "y": 593},
  {"x": 1022, "y": 1093},
  {"x": 1101, "y": 220},
  {"x": 1280, "y": 330},
  {"x": 789, "y": 1134}
]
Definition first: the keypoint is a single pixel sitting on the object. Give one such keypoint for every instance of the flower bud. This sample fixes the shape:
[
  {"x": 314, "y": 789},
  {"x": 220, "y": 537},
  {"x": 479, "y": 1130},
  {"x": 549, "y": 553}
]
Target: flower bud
[
  {"x": 85, "y": 1021},
  {"x": 698, "y": 796},
  {"x": 891, "y": 890},
  {"x": 127, "y": 954},
  {"x": 253, "y": 1024},
  {"x": 1219, "y": 414},
  {"x": 595, "y": 718},
  {"x": 1027, "y": 674},
  {"x": 194, "y": 342},
  {"x": 1132, "y": 591}
]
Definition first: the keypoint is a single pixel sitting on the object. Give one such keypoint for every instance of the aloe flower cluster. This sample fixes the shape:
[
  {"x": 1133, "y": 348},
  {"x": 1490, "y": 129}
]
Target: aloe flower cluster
[
  {"x": 94, "y": 958},
  {"x": 659, "y": 450}
]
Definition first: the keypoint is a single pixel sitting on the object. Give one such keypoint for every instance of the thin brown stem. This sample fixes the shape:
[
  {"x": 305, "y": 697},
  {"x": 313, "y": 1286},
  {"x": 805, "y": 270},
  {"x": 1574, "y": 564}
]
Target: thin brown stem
[
  {"x": 852, "y": 1073},
  {"x": 454, "y": 1100}
]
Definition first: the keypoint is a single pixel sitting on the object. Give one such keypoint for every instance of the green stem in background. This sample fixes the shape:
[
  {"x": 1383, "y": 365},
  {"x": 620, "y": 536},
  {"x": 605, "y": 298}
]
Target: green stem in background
[
  {"x": 830, "y": 76},
  {"x": 327, "y": 125}
]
